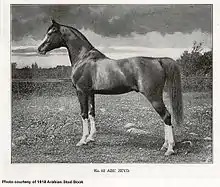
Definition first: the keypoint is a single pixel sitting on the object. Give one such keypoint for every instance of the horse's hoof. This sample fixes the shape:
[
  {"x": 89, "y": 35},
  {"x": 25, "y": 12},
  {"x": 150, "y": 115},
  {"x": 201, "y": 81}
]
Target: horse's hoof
[
  {"x": 169, "y": 152},
  {"x": 90, "y": 140},
  {"x": 163, "y": 148},
  {"x": 80, "y": 143}
]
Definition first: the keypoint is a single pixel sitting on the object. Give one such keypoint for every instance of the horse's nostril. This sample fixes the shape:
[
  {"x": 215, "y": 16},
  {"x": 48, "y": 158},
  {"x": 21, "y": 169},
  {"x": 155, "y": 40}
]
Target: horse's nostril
[{"x": 40, "y": 51}]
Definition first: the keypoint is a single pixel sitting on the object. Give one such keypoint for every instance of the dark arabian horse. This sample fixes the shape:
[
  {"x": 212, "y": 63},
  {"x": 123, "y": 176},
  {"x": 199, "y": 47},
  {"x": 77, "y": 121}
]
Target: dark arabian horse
[{"x": 94, "y": 73}]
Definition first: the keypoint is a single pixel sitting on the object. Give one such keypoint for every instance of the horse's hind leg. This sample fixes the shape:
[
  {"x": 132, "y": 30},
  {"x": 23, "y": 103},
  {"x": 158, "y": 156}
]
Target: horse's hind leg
[
  {"x": 91, "y": 100},
  {"x": 83, "y": 100},
  {"x": 158, "y": 104}
]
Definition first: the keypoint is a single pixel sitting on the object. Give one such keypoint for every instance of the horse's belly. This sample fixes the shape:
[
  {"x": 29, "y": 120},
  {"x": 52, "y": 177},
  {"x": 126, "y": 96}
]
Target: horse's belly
[
  {"x": 116, "y": 84},
  {"x": 114, "y": 90}
]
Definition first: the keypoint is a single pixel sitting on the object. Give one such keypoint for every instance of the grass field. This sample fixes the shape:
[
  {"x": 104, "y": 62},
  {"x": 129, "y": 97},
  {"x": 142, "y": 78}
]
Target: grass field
[{"x": 45, "y": 129}]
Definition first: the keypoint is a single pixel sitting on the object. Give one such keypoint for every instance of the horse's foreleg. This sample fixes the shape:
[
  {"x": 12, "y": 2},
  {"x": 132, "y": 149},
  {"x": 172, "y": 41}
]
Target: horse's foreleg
[
  {"x": 91, "y": 100},
  {"x": 83, "y": 100}
]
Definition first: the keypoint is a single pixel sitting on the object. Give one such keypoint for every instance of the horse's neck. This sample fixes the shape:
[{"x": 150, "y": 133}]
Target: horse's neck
[
  {"x": 76, "y": 44},
  {"x": 78, "y": 53},
  {"x": 77, "y": 50}
]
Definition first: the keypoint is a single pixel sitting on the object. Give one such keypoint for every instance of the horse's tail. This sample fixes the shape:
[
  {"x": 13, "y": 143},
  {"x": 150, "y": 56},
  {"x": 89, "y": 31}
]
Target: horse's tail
[{"x": 173, "y": 79}]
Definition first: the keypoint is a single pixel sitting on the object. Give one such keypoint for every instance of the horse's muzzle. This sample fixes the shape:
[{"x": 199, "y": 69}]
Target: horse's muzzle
[{"x": 41, "y": 51}]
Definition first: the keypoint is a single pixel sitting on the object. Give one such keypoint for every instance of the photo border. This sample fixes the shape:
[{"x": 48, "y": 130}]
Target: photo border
[{"x": 138, "y": 172}]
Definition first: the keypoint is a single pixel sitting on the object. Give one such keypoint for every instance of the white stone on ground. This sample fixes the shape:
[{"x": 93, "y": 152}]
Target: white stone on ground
[
  {"x": 136, "y": 131},
  {"x": 129, "y": 125}
]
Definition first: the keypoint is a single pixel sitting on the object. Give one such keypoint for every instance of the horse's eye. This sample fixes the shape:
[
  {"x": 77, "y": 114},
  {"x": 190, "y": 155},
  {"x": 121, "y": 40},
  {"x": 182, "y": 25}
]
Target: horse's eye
[{"x": 51, "y": 31}]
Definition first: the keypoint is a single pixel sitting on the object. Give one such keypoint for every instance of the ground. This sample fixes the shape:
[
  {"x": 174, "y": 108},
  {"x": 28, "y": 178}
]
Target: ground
[{"x": 46, "y": 130}]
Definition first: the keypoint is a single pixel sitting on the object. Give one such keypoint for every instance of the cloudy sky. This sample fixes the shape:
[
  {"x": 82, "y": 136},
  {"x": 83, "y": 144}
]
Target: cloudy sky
[{"x": 111, "y": 26}]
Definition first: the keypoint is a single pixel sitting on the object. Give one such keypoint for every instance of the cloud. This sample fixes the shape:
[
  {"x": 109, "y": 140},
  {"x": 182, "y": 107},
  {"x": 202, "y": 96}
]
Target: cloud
[
  {"x": 152, "y": 39},
  {"x": 112, "y": 20},
  {"x": 133, "y": 42}
]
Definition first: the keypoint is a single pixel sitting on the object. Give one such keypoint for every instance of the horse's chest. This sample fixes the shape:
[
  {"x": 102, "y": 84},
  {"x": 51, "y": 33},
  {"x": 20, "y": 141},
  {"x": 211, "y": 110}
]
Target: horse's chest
[
  {"x": 73, "y": 76},
  {"x": 77, "y": 74}
]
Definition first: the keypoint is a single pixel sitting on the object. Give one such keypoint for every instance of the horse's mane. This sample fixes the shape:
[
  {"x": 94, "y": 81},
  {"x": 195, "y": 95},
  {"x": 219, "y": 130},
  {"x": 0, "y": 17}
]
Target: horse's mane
[{"x": 79, "y": 34}]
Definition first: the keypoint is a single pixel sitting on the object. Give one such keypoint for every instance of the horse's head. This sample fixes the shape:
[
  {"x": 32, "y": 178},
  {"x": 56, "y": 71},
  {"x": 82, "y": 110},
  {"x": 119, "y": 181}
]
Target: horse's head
[{"x": 52, "y": 40}]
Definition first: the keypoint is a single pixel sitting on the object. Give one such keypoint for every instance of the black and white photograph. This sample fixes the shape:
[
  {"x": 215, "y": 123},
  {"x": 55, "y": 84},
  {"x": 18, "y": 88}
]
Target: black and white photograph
[{"x": 111, "y": 83}]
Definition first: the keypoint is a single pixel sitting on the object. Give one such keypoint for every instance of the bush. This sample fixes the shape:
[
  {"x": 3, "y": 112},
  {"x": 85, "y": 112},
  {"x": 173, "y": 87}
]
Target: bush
[
  {"x": 196, "y": 69},
  {"x": 196, "y": 63}
]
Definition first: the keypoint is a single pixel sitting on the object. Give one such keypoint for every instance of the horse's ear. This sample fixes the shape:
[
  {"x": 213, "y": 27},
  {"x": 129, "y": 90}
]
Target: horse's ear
[{"x": 54, "y": 22}]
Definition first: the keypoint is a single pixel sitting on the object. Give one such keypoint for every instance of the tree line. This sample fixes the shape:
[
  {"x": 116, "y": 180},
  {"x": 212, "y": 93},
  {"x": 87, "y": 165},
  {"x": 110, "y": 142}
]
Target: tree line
[{"x": 35, "y": 72}]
